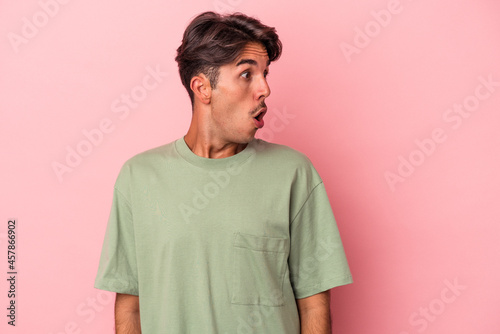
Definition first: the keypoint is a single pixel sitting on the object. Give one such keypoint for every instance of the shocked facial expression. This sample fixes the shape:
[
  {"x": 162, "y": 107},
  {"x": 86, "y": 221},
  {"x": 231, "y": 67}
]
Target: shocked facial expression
[{"x": 238, "y": 101}]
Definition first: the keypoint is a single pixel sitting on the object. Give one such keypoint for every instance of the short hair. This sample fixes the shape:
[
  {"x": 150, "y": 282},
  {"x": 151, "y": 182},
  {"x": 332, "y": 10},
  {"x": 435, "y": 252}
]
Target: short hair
[{"x": 212, "y": 40}]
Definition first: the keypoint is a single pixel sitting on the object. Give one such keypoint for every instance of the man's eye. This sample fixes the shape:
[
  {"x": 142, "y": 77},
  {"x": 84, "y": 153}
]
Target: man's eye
[{"x": 245, "y": 74}]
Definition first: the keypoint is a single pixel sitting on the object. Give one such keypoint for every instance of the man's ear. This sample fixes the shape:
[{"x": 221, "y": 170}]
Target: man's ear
[{"x": 200, "y": 85}]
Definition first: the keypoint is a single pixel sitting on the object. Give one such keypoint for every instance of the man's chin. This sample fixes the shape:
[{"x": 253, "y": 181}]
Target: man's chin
[
  {"x": 247, "y": 139},
  {"x": 250, "y": 138}
]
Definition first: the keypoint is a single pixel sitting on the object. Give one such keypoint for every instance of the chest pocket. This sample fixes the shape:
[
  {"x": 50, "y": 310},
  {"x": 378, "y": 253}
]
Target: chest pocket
[{"x": 259, "y": 267}]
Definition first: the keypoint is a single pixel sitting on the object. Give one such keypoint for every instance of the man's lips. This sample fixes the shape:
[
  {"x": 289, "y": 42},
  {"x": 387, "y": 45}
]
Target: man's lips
[
  {"x": 261, "y": 113},
  {"x": 259, "y": 118}
]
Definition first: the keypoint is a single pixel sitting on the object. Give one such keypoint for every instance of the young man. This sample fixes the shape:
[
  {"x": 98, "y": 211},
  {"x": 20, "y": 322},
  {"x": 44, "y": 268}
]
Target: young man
[{"x": 219, "y": 232}]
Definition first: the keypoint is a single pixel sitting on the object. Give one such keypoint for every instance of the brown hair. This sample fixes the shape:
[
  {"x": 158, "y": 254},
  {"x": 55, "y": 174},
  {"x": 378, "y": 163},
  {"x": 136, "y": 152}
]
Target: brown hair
[{"x": 212, "y": 40}]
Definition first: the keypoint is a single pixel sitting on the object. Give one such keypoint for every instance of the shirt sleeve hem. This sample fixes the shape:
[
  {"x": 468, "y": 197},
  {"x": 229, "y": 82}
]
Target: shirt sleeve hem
[
  {"x": 111, "y": 287},
  {"x": 322, "y": 286}
]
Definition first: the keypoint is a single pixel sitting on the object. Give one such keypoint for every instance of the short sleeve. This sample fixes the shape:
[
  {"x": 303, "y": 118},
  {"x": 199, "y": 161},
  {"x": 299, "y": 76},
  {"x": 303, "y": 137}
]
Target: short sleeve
[
  {"x": 317, "y": 260},
  {"x": 117, "y": 270}
]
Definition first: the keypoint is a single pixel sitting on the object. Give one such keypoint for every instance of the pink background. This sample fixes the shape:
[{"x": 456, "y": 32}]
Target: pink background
[{"x": 357, "y": 114}]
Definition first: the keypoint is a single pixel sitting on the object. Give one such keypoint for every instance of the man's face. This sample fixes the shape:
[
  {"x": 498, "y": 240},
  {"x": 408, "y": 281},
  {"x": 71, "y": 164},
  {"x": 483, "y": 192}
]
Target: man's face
[{"x": 237, "y": 104}]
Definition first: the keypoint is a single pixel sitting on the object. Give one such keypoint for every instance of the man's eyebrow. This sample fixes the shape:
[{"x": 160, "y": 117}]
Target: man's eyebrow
[
  {"x": 246, "y": 61},
  {"x": 250, "y": 61}
]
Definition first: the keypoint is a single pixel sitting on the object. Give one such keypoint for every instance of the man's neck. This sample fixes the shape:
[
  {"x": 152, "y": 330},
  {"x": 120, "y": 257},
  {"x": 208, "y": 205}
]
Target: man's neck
[{"x": 207, "y": 147}]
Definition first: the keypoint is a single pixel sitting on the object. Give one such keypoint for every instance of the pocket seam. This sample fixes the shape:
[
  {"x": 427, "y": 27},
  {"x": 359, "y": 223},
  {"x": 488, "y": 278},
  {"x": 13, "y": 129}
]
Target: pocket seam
[{"x": 281, "y": 242}]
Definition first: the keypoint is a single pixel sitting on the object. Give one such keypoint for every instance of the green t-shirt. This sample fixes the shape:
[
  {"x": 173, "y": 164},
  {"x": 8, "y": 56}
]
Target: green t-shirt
[{"x": 221, "y": 246}]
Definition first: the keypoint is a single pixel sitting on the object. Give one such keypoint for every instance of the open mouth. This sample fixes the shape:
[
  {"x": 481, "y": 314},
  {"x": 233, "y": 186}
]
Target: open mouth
[
  {"x": 261, "y": 114},
  {"x": 259, "y": 118}
]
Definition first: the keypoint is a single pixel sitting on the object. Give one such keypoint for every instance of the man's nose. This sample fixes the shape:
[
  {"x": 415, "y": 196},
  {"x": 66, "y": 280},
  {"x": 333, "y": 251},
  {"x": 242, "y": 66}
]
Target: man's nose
[{"x": 264, "y": 89}]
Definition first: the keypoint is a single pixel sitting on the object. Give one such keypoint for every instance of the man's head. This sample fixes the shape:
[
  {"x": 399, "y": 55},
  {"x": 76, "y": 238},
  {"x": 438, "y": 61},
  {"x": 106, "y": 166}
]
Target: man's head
[{"x": 212, "y": 40}]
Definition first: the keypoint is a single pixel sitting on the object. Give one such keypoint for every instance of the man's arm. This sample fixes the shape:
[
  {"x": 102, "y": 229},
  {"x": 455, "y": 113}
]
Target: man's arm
[
  {"x": 127, "y": 319},
  {"x": 314, "y": 313}
]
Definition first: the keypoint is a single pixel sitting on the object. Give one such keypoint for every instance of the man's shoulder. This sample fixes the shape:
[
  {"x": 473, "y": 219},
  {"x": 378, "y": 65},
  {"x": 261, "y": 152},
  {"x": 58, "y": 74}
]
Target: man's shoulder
[
  {"x": 281, "y": 153},
  {"x": 286, "y": 163},
  {"x": 146, "y": 161},
  {"x": 152, "y": 155}
]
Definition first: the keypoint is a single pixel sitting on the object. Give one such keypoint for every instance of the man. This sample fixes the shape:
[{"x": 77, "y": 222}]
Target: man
[{"x": 219, "y": 232}]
